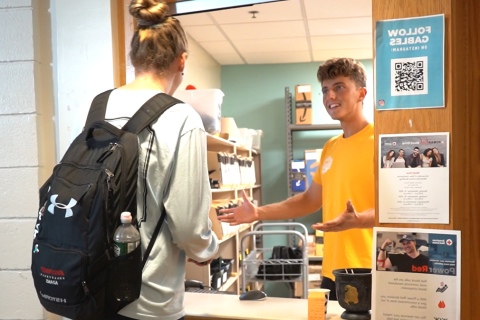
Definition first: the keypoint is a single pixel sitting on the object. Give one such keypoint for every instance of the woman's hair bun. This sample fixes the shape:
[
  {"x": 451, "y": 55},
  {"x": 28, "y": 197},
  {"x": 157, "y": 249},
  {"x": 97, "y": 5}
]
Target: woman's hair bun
[{"x": 149, "y": 12}]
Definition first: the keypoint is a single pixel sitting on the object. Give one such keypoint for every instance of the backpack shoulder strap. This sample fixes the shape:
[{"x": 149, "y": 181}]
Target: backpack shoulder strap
[
  {"x": 156, "y": 231},
  {"x": 150, "y": 111},
  {"x": 98, "y": 108}
]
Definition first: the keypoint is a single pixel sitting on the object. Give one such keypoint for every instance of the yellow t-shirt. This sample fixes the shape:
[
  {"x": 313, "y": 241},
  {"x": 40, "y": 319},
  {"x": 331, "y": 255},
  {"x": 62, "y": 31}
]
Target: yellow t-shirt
[{"x": 346, "y": 171}]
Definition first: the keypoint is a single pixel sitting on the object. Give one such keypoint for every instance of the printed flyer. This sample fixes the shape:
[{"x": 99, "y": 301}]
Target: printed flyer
[
  {"x": 409, "y": 63},
  {"x": 413, "y": 178},
  {"x": 416, "y": 274}
]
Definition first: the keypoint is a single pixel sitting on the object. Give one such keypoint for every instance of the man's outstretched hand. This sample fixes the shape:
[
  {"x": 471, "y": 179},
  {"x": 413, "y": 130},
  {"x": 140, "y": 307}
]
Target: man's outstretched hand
[
  {"x": 245, "y": 213},
  {"x": 348, "y": 219}
]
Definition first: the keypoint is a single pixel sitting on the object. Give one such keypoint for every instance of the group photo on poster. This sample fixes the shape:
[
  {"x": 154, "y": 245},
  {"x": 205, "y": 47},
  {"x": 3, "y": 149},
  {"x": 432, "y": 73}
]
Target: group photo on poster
[
  {"x": 401, "y": 152},
  {"x": 416, "y": 273},
  {"x": 414, "y": 178}
]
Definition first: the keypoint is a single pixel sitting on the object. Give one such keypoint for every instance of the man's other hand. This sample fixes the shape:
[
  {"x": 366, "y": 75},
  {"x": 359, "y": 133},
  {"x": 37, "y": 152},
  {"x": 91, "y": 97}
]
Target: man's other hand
[{"x": 348, "y": 219}]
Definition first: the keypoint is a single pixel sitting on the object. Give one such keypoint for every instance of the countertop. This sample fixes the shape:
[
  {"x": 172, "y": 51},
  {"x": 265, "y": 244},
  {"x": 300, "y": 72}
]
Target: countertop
[{"x": 226, "y": 306}]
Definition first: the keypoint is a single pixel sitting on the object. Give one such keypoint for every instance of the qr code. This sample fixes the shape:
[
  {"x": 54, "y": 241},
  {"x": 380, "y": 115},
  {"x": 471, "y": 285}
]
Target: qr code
[{"x": 409, "y": 76}]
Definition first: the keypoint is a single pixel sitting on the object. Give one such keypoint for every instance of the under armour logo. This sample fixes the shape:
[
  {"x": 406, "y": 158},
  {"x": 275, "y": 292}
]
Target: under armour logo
[
  {"x": 67, "y": 207},
  {"x": 36, "y": 231}
]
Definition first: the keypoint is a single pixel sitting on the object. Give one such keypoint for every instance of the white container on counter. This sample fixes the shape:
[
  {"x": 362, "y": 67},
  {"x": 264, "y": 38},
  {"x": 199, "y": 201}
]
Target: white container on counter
[
  {"x": 246, "y": 135},
  {"x": 208, "y": 103},
  {"x": 256, "y": 138}
]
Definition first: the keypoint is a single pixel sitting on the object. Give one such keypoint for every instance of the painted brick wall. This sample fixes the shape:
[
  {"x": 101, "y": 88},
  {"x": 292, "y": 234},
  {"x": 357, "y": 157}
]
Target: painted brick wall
[{"x": 20, "y": 164}]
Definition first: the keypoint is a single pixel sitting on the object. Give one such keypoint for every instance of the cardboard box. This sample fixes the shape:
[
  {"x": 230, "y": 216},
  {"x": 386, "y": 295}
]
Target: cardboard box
[
  {"x": 310, "y": 240},
  {"x": 311, "y": 244},
  {"x": 303, "y": 93},
  {"x": 314, "y": 279},
  {"x": 303, "y": 104},
  {"x": 303, "y": 116},
  {"x": 319, "y": 243},
  {"x": 298, "y": 290}
]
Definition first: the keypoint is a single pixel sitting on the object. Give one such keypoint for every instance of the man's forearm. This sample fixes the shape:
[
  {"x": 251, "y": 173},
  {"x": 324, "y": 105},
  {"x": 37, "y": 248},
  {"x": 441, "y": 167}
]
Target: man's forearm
[
  {"x": 367, "y": 219},
  {"x": 294, "y": 207},
  {"x": 382, "y": 257}
]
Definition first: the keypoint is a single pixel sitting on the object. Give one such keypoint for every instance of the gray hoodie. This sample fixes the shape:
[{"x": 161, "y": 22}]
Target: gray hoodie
[{"x": 173, "y": 171}]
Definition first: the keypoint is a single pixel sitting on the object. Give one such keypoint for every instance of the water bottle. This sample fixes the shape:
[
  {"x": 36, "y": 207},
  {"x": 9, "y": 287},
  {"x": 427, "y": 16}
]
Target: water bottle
[{"x": 126, "y": 237}]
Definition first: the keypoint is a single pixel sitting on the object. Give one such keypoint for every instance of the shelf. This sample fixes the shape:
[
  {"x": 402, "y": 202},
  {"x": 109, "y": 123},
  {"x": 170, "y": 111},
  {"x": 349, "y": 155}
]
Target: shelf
[
  {"x": 222, "y": 190},
  {"x": 239, "y": 148},
  {"x": 230, "y": 281},
  {"x": 228, "y": 238},
  {"x": 311, "y": 127},
  {"x": 323, "y": 130},
  {"x": 217, "y": 141},
  {"x": 232, "y": 235},
  {"x": 235, "y": 189}
]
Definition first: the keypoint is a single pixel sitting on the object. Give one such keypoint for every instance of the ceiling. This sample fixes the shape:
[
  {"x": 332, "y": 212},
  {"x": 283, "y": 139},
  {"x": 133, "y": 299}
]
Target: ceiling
[{"x": 290, "y": 31}]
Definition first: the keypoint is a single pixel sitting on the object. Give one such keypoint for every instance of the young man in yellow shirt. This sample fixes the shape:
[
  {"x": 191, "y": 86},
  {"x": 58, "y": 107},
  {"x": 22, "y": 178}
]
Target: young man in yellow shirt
[{"x": 344, "y": 177}]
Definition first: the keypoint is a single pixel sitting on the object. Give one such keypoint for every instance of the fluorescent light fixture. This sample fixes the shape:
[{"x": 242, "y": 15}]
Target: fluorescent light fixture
[{"x": 196, "y": 6}]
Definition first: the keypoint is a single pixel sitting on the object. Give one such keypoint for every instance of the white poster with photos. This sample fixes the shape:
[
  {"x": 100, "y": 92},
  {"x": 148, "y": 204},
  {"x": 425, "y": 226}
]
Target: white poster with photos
[
  {"x": 416, "y": 274},
  {"x": 414, "y": 178}
]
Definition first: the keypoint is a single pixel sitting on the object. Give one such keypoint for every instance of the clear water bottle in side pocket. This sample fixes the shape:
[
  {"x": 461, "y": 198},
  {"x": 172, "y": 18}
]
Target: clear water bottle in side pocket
[{"x": 126, "y": 237}]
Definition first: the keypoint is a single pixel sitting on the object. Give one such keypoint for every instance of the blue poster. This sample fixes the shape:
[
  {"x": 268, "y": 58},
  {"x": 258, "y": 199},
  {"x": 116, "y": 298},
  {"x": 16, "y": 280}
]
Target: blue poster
[{"x": 409, "y": 63}]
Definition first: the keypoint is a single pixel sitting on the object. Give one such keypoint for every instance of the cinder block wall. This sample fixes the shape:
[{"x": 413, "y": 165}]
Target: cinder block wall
[{"x": 26, "y": 127}]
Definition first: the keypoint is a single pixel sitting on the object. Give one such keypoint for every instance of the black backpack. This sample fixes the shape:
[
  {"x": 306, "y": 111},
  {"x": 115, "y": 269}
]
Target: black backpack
[
  {"x": 75, "y": 271},
  {"x": 284, "y": 264}
]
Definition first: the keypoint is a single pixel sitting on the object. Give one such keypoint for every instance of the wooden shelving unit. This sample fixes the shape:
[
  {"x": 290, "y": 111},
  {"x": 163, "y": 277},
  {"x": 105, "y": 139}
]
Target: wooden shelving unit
[{"x": 229, "y": 243}]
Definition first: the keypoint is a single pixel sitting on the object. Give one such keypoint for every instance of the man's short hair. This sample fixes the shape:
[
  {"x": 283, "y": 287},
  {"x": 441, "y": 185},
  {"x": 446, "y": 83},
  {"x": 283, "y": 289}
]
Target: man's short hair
[
  {"x": 416, "y": 148},
  {"x": 346, "y": 67}
]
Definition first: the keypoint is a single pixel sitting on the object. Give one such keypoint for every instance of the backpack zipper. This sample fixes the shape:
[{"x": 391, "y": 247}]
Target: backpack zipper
[
  {"x": 108, "y": 153},
  {"x": 122, "y": 189},
  {"x": 109, "y": 176},
  {"x": 108, "y": 205},
  {"x": 85, "y": 289}
]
